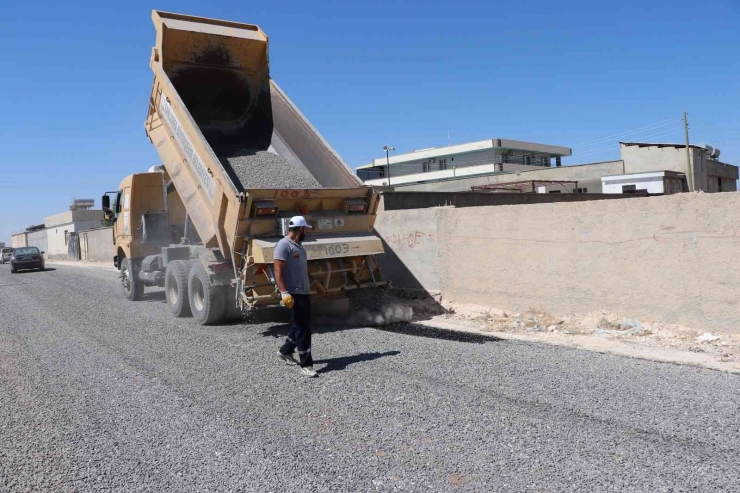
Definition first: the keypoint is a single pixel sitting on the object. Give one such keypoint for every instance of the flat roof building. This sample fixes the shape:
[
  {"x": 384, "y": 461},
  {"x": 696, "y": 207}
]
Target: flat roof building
[
  {"x": 470, "y": 159},
  {"x": 637, "y": 158}
]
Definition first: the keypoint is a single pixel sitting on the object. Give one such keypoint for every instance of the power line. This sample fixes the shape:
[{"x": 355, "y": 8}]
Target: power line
[
  {"x": 652, "y": 126},
  {"x": 641, "y": 139}
]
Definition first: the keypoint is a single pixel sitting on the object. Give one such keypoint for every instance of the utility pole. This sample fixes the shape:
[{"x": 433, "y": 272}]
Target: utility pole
[
  {"x": 690, "y": 175},
  {"x": 387, "y": 149}
]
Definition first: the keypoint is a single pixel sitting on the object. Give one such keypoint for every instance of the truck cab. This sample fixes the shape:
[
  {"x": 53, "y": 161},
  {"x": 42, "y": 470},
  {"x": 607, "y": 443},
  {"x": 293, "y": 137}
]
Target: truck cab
[{"x": 137, "y": 194}]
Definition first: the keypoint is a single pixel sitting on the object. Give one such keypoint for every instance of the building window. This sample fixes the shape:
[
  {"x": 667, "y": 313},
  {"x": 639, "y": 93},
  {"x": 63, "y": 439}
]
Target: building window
[
  {"x": 554, "y": 191},
  {"x": 629, "y": 188},
  {"x": 581, "y": 190}
]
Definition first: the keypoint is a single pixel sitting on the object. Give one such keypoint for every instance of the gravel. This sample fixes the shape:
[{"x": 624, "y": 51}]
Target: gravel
[
  {"x": 368, "y": 298},
  {"x": 98, "y": 393},
  {"x": 264, "y": 169}
]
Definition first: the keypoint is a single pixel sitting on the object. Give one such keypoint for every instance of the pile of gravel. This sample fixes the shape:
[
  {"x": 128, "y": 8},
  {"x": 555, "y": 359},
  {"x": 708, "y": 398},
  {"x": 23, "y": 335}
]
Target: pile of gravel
[
  {"x": 262, "y": 169},
  {"x": 368, "y": 299}
]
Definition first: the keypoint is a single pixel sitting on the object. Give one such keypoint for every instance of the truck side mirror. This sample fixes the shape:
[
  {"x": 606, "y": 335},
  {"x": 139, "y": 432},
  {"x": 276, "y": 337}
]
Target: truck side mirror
[{"x": 107, "y": 212}]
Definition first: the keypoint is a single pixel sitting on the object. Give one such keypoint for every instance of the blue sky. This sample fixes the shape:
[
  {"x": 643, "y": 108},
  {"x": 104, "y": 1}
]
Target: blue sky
[{"x": 75, "y": 80}]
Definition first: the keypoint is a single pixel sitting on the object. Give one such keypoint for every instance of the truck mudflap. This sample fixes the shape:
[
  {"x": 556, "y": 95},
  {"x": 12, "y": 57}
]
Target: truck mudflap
[{"x": 336, "y": 265}]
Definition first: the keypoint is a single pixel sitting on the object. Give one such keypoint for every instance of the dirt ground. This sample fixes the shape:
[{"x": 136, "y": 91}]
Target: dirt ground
[
  {"x": 82, "y": 263},
  {"x": 596, "y": 331}
]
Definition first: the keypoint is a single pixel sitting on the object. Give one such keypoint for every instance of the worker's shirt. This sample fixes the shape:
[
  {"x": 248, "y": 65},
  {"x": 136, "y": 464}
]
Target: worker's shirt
[{"x": 295, "y": 272}]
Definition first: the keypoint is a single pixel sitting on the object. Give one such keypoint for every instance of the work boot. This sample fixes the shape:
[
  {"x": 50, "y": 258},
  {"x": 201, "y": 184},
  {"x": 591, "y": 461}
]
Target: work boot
[
  {"x": 309, "y": 371},
  {"x": 288, "y": 358}
]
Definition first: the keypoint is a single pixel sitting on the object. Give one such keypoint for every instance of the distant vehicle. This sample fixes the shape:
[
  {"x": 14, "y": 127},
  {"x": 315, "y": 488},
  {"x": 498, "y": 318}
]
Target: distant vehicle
[
  {"x": 26, "y": 258},
  {"x": 5, "y": 255}
]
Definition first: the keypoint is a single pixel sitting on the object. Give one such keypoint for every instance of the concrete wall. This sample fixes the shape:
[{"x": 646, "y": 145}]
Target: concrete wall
[
  {"x": 97, "y": 245},
  {"x": 60, "y": 225},
  {"x": 58, "y": 235},
  {"x": 18, "y": 240},
  {"x": 410, "y": 239},
  {"x": 38, "y": 239},
  {"x": 587, "y": 175},
  {"x": 669, "y": 259},
  {"x": 57, "y": 241},
  {"x": 421, "y": 200}
]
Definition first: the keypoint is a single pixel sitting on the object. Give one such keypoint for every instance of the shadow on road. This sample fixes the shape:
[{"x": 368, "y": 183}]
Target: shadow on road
[
  {"x": 339, "y": 364},
  {"x": 435, "y": 333},
  {"x": 48, "y": 269},
  {"x": 411, "y": 329},
  {"x": 154, "y": 297}
]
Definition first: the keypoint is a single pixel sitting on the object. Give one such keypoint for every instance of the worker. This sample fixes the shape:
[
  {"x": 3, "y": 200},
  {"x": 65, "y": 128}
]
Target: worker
[{"x": 291, "y": 277}]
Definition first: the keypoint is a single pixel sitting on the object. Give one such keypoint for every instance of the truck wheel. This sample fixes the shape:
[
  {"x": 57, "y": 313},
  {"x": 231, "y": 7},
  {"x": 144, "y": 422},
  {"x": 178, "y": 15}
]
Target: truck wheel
[
  {"x": 132, "y": 287},
  {"x": 176, "y": 288},
  {"x": 206, "y": 299}
]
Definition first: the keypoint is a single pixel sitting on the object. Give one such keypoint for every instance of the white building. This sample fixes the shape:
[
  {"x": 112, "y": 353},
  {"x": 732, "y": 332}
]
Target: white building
[
  {"x": 640, "y": 161},
  {"x": 663, "y": 182},
  {"x": 460, "y": 160},
  {"x": 59, "y": 226}
]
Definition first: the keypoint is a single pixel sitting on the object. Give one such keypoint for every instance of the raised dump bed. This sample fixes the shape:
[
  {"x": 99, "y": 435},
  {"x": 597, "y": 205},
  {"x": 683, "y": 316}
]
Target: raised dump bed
[{"x": 239, "y": 159}]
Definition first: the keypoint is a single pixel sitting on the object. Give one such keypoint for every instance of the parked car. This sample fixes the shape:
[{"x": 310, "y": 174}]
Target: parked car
[
  {"x": 5, "y": 255},
  {"x": 26, "y": 258}
]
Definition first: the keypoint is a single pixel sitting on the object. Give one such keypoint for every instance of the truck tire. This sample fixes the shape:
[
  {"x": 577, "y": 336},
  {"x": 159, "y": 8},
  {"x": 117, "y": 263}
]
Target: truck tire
[
  {"x": 133, "y": 288},
  {"x": 206, "y": 299},
  {"x": 176, "y": 288}
]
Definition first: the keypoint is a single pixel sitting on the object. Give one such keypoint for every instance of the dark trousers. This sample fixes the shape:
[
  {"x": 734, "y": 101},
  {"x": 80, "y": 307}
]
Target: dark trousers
[{"x": 300, "y": 332}]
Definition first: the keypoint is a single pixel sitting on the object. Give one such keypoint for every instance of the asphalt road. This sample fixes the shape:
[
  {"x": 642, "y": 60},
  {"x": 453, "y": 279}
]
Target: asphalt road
[{"x": 97, "y": 393}]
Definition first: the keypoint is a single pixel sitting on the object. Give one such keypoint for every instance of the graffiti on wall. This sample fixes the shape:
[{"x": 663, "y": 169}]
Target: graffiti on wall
[{"x": 410, "y": 239}]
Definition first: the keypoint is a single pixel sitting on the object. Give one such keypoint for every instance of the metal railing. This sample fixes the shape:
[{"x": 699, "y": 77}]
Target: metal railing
[{"x": 511, "y": 164}]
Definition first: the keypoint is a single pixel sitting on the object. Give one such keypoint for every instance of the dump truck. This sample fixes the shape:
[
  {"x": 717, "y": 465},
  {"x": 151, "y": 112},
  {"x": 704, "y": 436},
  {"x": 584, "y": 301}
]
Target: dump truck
[{"x": 238, "y": 160}]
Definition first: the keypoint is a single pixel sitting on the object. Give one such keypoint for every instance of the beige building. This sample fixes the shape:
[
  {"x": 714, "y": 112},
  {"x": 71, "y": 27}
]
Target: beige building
[
  {"x": 710, "y": 174},
  {"x": 59, "y": 226},
  {"x": 18, "y": 240}
]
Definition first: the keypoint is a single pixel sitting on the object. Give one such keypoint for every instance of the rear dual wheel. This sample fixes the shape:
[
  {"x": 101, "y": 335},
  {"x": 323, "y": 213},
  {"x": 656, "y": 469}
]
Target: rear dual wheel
[
  {"x": 207, "y": 300},
  {"x": 176, "y": 287},
  {"x": 189, "y": 292}
]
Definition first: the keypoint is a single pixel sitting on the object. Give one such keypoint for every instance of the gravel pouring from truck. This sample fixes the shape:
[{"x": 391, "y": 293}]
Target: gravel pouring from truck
[{"x": 238, "y": 159}]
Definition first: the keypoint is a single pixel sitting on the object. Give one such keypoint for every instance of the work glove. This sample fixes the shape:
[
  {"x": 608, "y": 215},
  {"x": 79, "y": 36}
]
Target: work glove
[{"x": 287, "y": 300}]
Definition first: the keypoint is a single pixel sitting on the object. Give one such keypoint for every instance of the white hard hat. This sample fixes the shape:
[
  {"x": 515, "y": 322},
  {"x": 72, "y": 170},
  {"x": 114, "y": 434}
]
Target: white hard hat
[{"x": 298, "y": 222}]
